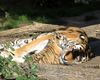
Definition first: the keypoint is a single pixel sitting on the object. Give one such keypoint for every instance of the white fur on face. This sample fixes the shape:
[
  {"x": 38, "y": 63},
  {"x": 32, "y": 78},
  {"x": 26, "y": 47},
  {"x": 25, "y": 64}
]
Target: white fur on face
[{"x": 77, "y": 47}]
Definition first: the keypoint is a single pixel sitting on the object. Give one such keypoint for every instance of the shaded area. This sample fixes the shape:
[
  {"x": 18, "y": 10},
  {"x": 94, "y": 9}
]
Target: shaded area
[
  {"x": 86, "y": 19},
  {"x": 95, "y": 46},
  {"x": 44, "y": 7},
  {"x": 16, "y": 12}
]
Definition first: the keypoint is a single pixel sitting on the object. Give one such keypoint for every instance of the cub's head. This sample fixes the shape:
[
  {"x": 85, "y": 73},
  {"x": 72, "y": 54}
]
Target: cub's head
[{"x": 60, "y": 40}]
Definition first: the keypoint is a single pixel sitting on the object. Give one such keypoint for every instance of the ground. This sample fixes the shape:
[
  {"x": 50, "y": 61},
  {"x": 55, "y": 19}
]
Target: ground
[{"x": 86, "y": 71}]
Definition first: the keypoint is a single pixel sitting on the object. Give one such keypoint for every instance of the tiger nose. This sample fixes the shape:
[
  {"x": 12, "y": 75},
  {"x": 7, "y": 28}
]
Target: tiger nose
[{"x": 75, "y": 52}]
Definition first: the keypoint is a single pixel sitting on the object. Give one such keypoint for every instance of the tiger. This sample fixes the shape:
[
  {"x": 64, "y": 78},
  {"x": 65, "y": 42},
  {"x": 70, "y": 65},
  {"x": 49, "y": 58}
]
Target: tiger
[
  {"x": 37, "y": 45},
  {"x": 51, "y": 54},
  {"x": 78, "y": 40},
  {"x": 76, "y": 50},
  {"x": 79, "y": 50}
]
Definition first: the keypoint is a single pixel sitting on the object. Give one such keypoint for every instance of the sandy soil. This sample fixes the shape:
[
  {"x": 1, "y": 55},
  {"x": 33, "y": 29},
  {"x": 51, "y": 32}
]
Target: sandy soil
[{"x": 86, "y": 71}]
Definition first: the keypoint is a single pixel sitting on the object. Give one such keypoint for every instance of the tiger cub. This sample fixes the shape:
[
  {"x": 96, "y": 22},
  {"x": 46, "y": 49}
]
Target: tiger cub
[
  {"x": 52, "y": 52},
  {"x": 38, "y": 45}
]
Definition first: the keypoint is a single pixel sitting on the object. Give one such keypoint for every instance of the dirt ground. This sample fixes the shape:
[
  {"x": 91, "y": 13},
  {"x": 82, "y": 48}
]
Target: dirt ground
[{"x": 86, "y": 71}]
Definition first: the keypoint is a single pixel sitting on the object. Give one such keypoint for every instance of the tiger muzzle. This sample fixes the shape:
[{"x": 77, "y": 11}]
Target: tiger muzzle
[{"x": 75, "y": 51}]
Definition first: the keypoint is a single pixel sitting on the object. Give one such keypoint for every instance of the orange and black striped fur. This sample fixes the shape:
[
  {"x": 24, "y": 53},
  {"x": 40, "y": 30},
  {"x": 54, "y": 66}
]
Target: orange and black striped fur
[
  {"x": 62, "y": 47},
  {"x": 57, "y": 40},
  {"x": 80, "y": 52}
]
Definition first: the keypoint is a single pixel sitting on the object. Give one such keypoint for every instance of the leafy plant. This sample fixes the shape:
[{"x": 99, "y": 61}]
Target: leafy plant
[
  {"x": 42, "y": 19},
  {"x": 14, "y": 22},
  {"x": 11, "y": 70},
  {"x": 22, "y": 20}
]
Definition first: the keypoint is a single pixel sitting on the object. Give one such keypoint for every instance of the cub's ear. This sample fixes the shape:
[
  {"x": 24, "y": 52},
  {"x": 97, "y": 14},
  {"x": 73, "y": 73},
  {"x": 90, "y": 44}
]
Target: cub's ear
[
  {"x": 26, "y": 41},
  {"x": 58, "y": 35}
]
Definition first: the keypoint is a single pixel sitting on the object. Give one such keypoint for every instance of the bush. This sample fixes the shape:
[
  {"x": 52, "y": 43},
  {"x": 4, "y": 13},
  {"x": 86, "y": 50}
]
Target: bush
[
  {"x": 11, "y": 70},
  {"x": 14, "y": 22},
  {"x": 42, "y": 19}
]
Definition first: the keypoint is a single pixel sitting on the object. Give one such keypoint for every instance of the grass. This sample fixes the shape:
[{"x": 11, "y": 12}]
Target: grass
[{"x": 11, "y": 70}]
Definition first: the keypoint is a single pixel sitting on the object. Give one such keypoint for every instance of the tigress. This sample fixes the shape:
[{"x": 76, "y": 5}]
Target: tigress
[
  {"x": 38, "y": 45},
  {"x": 75, "y": 49},
  {"x": 79, "y": 50}
]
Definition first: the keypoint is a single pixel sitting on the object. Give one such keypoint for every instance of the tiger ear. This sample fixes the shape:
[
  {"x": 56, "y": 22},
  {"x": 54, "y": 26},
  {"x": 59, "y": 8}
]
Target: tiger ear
[{"x": 82, "y": 36}]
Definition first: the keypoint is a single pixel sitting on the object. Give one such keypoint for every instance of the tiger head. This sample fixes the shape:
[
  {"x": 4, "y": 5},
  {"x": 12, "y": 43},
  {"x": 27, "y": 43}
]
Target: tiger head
[{"x": 77, "y": 49}]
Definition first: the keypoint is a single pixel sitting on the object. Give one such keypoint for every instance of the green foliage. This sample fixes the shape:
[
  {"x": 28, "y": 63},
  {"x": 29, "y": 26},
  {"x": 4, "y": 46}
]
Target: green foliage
[
  {"x": 45, "y": 11},
  {"x": 22, "y": 20},
  {"x": 14, "y": 22},
  {"x": 11, "y": 70},
  {"x": 42, "y": 19}
]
